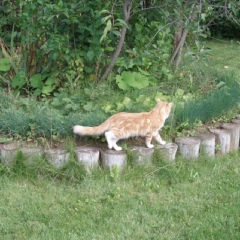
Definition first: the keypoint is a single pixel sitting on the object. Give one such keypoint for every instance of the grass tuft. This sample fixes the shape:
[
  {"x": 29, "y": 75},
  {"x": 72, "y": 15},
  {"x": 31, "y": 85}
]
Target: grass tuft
[{"x": 208, "y": 107}]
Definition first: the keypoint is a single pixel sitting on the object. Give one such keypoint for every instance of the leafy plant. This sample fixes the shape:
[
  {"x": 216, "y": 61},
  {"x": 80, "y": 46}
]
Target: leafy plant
[
  {"x": 43, "y": 84},
  {"x": 135, "y": 80}
]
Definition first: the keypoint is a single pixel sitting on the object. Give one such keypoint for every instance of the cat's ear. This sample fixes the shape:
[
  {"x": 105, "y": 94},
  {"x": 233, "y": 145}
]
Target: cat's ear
[
  {"x": 158, "y": 100},
  {"x": 170, "y": 104}
]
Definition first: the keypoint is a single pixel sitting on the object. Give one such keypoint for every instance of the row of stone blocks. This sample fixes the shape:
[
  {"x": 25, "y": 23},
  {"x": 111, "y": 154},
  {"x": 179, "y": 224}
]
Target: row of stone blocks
[
  {"x": 215, "y": 141},
  {"x": 89, "y": 156}
]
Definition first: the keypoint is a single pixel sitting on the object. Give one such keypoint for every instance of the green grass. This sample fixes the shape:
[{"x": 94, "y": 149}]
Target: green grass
[
  {"x": 184, "y": 200},
  {"x": 225, "y": 55}
]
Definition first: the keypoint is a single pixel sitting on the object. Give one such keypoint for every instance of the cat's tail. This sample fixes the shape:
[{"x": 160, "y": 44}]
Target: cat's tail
[{"x": 81, "y": 130}]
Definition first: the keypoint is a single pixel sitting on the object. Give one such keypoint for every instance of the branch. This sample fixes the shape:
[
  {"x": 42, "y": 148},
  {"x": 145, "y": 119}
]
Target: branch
[{"x": 126, "y": 10}]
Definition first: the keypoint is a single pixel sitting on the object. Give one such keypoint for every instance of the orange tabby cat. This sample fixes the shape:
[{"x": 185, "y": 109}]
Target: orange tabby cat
[{"x": 123, "y": 125}]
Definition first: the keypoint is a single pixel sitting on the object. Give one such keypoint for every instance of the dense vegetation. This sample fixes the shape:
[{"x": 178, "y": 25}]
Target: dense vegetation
[
  {"x": 50, "y": 46},
  {"x": 73, "y": 57}
]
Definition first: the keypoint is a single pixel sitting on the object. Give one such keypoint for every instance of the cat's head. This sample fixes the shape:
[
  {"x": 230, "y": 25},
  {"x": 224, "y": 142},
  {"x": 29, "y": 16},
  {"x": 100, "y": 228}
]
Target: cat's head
[{"x": 164, "y": 108}]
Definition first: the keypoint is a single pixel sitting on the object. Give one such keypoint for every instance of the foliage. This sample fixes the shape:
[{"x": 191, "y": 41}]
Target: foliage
[
  {"x": 49, "y": 38},
  {"x": 23, "y": 118},
  {"x": 224, "y": 20},
  {"x": 132, "y": 79},
  {"x": 50, "y": 46}
]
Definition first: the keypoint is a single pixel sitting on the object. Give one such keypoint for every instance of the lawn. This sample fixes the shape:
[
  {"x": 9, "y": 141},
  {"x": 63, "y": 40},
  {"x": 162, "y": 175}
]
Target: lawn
[
  {"x": 225, "y": 55},
  {"x": 183, "y": 200}
]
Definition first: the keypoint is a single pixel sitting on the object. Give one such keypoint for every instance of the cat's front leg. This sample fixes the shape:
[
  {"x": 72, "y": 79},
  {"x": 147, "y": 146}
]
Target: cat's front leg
[{"x": 158, "y": 138}]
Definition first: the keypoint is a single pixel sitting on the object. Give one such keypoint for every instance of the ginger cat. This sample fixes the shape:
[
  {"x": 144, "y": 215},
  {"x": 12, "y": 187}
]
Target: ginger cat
[{"x": 123, "y": 125}]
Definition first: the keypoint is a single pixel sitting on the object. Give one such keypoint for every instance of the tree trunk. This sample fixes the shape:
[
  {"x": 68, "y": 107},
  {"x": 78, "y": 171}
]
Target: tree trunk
[
  {"x": 142, "y": 155},
  {"x": 188, "y": 147},
  {"x": 207, "y": 146},
  {"x": 181, "y": 35},
  {"x": 111, "y": 158},
  {"x": 88, "y": 156},
  {"x": 126, "y": 9}
]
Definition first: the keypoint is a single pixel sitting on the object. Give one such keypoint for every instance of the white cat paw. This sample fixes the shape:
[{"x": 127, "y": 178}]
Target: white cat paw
[
  {"x": 117, "y": 148},
  {"x": 163, "y": 142},
  {"x": 150, "y": 146},
  {"x": 109, "y": 146}
]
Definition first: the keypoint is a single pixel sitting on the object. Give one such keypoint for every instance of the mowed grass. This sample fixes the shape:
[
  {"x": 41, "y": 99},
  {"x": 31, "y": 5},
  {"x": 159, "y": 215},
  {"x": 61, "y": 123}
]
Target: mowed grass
[
  {"x": 225, "y": 55},
  {"x": 181, "y": 200}
]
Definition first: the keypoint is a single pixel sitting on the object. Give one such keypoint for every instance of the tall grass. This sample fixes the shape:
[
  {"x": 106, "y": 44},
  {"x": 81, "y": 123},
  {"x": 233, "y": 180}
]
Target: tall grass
[
  {"x": 210, "y": 106},
  {"x": 14, "y": 122}
]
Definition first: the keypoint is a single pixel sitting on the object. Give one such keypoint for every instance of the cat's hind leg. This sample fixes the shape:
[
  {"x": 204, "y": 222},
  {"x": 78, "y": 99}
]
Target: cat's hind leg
[
  {"x": 148, "y": 140},
  {"x": 112, "y": 141},
  {"x": 115, "y": 146},
  {"x": 108, "y": 136}
]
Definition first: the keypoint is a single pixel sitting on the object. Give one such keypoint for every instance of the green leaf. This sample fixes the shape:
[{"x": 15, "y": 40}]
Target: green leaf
[
  {"x": 67, "y": 100},
  {"x": 50, "y": 81},
  {"x": 121, "y": 84},
  {"x": 132, "y": 79},
  {"x": 135, "y": 79},
  {"x": 203, "y": 16},
  {"x": 180, "y": 3},
  {"x": 127, "y": 103},
  {"x": 104, "y": 19},
  {"x": 109, "y": 49},
  {"x": 104, "y": 11},
  {"x": 90, "y": 106},
  {"x": 189, "y": 53},
  {"x": 90, "y": 55},
  {"x": 143, "y": 72},
  {"x": 120, "y": 106},
  {"x": 5, "y": 65},
  {"x": 19, "y": 80},
  {"x": 36, "y": 81},
  {"x": 88, "y": 91},
  {"x": 117, "y": 33},
  {"x": 47, "y": 89},
  {"x": 160, "y": 96},
  {"x": 121, "y": 23},
  {"x": 88, "y": 69},
  {"x": 106, "y": 30},
  {"x": 197, "y": 43},
  {"x": 37, "y": 92},
  {"x": 60, "y": 3},
  {"x": 131, "y": 63},
  {"x": 107, "y": 108}
]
